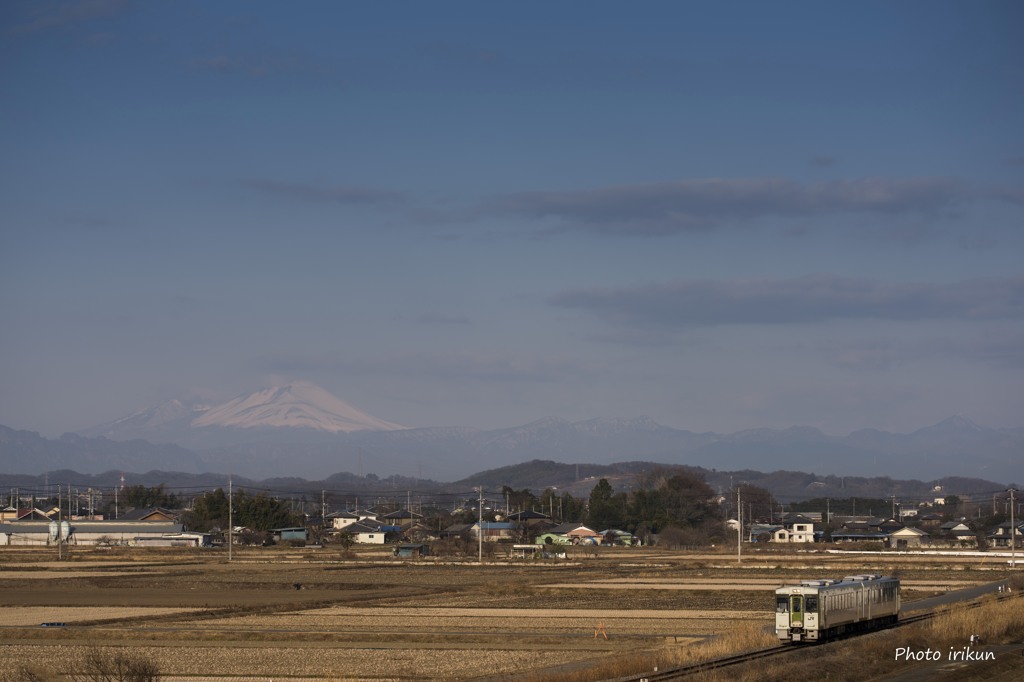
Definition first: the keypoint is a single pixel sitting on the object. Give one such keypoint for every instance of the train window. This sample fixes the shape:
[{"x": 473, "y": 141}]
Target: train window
[
  {"x": 781, "y": 605},
  {"x": 812, "y": 603}
]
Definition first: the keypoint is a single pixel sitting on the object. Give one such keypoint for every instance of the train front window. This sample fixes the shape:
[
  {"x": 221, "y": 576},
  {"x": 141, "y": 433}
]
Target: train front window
[
  {"x": 812, "y": 603},
  {"x": 781, "y": 605},
  {"x": 796, "y": 605}
]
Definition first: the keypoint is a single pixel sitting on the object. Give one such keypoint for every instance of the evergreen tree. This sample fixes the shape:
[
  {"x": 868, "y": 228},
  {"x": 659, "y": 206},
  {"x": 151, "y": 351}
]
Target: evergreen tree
[{"x": 606, "y": 509}]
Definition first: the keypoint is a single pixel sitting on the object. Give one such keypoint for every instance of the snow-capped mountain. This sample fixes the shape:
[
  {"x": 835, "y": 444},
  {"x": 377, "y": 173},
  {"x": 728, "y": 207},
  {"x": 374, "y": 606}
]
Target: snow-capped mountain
[
  {"x": 298, "y": 405},
  {"x": 157, "y": 423}
]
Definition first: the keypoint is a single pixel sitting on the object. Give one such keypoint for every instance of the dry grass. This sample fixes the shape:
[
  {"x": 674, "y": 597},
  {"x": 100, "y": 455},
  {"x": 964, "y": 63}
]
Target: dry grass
[
  {"x": 734, "y": 639},
  {"x": 742, "y": 637},
  {"x": 994, "y": 621},
  {"x": 874, "y": 656}
]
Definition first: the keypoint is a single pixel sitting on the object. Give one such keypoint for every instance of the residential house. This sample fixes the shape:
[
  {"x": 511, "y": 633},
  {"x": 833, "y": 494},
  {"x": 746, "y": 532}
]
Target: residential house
[
  {"x": 906, "y": 537},
  {"x": 340, "y": 519},
  {"x": 294, "y": 534},
  {"x": 577, "y": 533},
  {"x": 35, "y": 514},
  {"x": 156, "y": 514},
  {"x": 762, "y": 532},
  {"x": 366, "y": 533},
  {"x": 403, "y": 518},
  {"x": 367, "y": 515},
  {"x": 860, "y": 531},
  {"x": 1000, "y": 535},
  {"x": 457, "y": 530},
  {"x": 493, "y": 531},
  {"x": 958, "y": 533},
  {"x": 795, "y": 528}
]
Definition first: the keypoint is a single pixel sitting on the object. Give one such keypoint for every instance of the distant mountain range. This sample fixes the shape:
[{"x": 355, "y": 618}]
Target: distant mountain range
[{"x": 301, "y": 430}]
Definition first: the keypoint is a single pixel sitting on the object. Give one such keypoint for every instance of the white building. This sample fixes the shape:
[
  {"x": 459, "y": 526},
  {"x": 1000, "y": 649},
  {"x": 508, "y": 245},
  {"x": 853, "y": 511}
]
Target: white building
[{"x": 43, "y": 533}]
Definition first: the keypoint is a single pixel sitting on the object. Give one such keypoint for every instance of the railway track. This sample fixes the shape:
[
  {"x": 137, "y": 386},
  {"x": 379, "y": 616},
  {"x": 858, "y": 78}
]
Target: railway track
[
  {"x": 727, "y": 661},
  {"x": 677, "y": 673}
]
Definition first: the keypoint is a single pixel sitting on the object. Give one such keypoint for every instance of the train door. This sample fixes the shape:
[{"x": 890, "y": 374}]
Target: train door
[{"x": 796, "y": 611}]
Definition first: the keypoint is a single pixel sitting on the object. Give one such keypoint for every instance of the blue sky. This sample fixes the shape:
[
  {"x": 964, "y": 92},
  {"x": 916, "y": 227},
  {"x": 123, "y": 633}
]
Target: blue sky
[{"x": 720, "y": 215}]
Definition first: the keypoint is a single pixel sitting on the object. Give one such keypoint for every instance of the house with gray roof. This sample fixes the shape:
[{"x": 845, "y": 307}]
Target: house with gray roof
[
  {"x": 493, "y": 531},
  {"x": 366, "y": 532},
  {"x": 907, "y": 537},
  {"x": 1000, "y": 535}
]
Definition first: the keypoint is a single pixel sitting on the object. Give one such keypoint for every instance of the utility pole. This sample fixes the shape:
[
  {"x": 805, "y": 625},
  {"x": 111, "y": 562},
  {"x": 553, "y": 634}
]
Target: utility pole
[
  {"x": 480, "y": 528},
  {"x": 1013, "y": 534},
  {"x": 323, "y": 509},
  {"x": 231, "y": 519},
  {"x": 739, "y": 527},
  {"x": 60, "y": 552}
]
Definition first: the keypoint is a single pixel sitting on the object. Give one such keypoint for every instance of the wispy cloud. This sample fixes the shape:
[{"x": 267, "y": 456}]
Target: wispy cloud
[
  {"x": 56, "y": 15},
  {"x": 342, "y": 194},
  {"x": 1000, "y": 347},
  {"x": 874, "y": 355},
  {"x": 455, "y": 367},
  {"x": 813, "y": 298},
  {"x": 672, "y": 207}
]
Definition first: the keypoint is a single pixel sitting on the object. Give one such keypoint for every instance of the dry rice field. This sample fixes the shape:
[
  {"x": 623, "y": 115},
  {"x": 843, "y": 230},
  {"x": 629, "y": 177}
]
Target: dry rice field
[{"x": 313, "y": 614}]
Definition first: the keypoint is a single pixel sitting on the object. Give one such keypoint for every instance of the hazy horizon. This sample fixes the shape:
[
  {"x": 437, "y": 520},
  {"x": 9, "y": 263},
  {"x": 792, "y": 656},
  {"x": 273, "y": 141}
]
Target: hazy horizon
[{"x": 721, "y": 216}]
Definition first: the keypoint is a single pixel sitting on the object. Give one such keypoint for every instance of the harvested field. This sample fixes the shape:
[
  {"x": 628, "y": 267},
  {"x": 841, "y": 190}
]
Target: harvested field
[
  {"x": 312, "y": 615},
  {"x": 21, "y": 616}
]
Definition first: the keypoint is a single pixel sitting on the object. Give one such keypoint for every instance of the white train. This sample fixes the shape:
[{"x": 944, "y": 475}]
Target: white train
[{"x": 816, "y": 610}]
